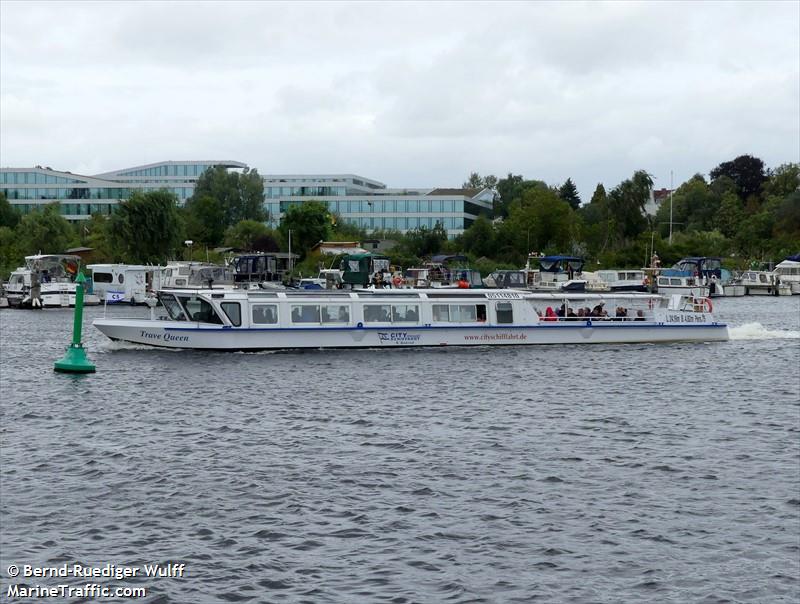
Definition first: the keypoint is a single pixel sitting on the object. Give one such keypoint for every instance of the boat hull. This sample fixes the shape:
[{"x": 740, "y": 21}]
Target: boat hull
[{"x": 169, "y": 334}]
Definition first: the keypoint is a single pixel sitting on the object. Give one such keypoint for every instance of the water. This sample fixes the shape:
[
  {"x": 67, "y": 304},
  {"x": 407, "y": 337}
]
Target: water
[{"x": 629, "y": 473}]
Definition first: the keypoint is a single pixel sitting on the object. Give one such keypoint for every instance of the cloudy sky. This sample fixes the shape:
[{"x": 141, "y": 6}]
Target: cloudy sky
[{"x": 411, "y": 94}]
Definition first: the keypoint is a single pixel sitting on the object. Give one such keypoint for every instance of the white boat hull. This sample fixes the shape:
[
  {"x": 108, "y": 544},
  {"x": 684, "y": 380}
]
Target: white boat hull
[{"x": 172, "y": 334}]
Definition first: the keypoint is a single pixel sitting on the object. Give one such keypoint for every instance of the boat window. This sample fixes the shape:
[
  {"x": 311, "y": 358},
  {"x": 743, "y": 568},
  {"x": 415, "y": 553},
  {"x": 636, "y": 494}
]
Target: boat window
[
  {"x": 305, "y": 313},
  {"x": 463, "y": 313},
  {"x": 121, "y": 278},
  {"x": 335, "y": 314},
  {"x": 265, "y": 313},
  {"x": 505, "y": 312},
  {"x": 441, "y": 312},
  {"x": 377, "y": 313},
  {"x": 172, "y": 307},
  {"x": 180, "y": 281},
  {"x": 515, "y": 279},
  {"x": 168, "y": 272},
  {"x": 183, "y": 270},
  {"x": 234, "y": 312},
  {"x": 762, "y": 277},
  {"x": 102, "y": 277},
  {"x": 200, "y": 310},
  {"x": 674, "y": 281},
  {"x": 405, "y": 313}
]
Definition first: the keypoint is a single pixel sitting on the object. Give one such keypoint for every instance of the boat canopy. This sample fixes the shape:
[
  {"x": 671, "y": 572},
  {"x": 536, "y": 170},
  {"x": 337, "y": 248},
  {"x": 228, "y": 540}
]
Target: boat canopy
[
  {"x": 795, "y": 258},
  {"x": 558, "y": 264},
  {"x": 446, "y": 259},
  {"x": 357, "y": 269}
]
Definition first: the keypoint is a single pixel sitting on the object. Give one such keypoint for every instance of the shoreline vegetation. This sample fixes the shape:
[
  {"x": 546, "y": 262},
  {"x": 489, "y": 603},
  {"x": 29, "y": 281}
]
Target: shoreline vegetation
[{"x": 744, "y": 212}]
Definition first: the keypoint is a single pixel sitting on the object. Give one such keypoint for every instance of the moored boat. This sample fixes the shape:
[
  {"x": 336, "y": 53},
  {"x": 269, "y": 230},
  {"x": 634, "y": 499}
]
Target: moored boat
[
  {"x": 788, "y": 272},
  {"x": 764, "y": 283},
  {"x": 235, "y": 319},
  {"x": 47, "y": 281}
]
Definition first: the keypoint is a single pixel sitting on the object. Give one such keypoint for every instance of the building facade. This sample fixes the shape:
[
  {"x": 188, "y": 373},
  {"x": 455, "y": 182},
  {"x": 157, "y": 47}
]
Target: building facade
[
  {"x": 361, "y": 201},
  {"x": 80, "y": 196},
  {"x": 369, "y": 204}
]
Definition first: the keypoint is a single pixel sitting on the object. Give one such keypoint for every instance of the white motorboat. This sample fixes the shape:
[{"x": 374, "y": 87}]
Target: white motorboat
[
  {"x": 624, "y": 280},
  {"x": 46, "y": 281},
  {"x": 132, "y": 283},
  {"x": 672, "y": 282},
  {"x": 788, "y": 272},
  {"x": 764, "y": 283},
  {"x": 236, "y": 319}
]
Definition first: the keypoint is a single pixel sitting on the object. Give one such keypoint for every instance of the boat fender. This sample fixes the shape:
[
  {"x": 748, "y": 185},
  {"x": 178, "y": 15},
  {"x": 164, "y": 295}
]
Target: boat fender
[{"x": 360, "y": 325}]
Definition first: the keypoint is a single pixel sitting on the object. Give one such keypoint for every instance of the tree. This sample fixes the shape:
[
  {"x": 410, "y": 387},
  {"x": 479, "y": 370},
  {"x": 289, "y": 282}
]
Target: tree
[
  {"x": 746, "y": 171},
  {"x": 729, "y": 215},
  {"x": 569, "y": 193},
  {"x": 45, "y": 231},
  {"x": 626, "y": 204},
  {"x": 251, "y": 235},
  {"x": 96, "y": 234},
  {"x": 511, "y": 190},
  {"x": 782, "y": 181},
  {"x": 309, "y": 223},
  {"x": 479, "y": 239},
  {"x": 476, "y": 181},
  {"x": 240, "y": 196},
  {"x": 9, "y": 215},
  {"x": 10, "y": 256},
  {"x": 147, "y": 228},
  {"x": 205, "y": 219},
  {"x": 422, "y": 241}
]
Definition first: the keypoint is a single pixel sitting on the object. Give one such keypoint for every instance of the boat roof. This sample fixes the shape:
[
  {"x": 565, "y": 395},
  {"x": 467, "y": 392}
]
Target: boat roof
[
  {"x": 421, "y": 293},
  {"x": 559, "y": 258}
]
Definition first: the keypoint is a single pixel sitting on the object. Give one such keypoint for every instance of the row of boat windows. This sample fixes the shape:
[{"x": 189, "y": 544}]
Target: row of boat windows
[{"x": 200, "y": 310}]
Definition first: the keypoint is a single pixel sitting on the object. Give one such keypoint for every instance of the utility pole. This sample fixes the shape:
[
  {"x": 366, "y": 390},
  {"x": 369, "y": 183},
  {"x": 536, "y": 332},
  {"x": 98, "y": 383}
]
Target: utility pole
[{"x": 670, "y": 207}]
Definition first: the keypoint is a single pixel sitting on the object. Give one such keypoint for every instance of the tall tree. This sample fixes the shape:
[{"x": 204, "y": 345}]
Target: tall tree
[
  {"x": 479, "y": 239},
  {"x": 251, "y": 235},
  {"x": 45, "y": 231},
  {"x": 423, "y": 241},
  {"x": 746, "y": 171},
  {"x": 309, "y": 223},
  {"x": 9, "y": 215},
  {"x": 241, "y": 196},
  {"x": 569, "y": 193},
  {"x": 147, "y": 227},
  {"x": 205, "y": 219},
  {"x": 626, "y": 204}
]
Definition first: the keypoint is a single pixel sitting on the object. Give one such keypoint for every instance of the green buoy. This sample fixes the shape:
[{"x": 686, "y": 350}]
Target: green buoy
[{"x": 75, "y": 360}]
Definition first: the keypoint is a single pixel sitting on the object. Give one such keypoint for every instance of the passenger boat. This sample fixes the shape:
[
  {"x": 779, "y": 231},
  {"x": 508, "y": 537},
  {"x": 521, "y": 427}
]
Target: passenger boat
[
  {"x": 236, "y": 319},
  {"x": 47, "y": 281}
]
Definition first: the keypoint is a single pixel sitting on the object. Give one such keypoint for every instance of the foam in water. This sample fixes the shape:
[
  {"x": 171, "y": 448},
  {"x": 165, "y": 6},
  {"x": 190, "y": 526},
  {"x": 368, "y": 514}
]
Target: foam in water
[{"x": 756, "y": 331}]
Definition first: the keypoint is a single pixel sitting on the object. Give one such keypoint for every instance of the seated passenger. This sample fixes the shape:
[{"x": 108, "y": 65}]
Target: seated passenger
[
  {"x": 639, "y": 315},
  {"x": 571, "y": 314},
  {"x": 550, "y": 315}
]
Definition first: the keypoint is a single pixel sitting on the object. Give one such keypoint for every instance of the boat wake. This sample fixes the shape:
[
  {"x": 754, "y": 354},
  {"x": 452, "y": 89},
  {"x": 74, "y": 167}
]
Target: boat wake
[{"x": 756, "y": 331}]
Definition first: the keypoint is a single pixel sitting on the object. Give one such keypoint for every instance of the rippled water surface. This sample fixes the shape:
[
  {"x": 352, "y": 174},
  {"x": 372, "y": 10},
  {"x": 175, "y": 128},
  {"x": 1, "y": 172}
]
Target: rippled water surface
[{"x": 627, "y": 473}]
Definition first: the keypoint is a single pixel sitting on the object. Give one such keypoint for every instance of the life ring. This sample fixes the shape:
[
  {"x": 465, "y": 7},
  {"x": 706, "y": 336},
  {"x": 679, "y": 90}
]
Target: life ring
[
  {"x": 398, "y": 281},
  {"x": 706, "y": 302}
]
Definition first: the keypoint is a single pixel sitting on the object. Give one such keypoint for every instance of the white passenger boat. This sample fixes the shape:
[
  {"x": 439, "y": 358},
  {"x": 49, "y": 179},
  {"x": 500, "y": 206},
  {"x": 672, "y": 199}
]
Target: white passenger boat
[{"x": 235, "y": 319}]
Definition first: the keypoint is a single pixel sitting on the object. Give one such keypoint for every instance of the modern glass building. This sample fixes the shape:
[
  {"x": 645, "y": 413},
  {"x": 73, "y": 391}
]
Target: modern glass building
[
  {"x": 369, "y": 204},
  {"x": 81, "y": 196},
  {"x": 362, "y": 201}
]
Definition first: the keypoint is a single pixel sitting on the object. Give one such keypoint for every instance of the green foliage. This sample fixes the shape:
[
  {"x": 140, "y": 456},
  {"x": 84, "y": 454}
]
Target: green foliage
[
  {"x": 10, "y": 255},
  {"x": 511, "y": 189},
  {"x": 240, "y": 196},
  {"x": 746, "y": 171},
  {"x": 626, "y": 203},
  {"x": 476, "y": 181},
  {"x": 205, "y": 219},
  {"x": 424, "y": 242},
  {"x": 479, "y": 239},
  {"x": 96, "y": 234},
  {"x": 309, "y": 222},
  {"x": 44, "y": 231},
  {"x": 9, "y": 215},
  {"x": 730, "y": 214},
  {"x": 251, "y": 235},
  {"x": 569, "y": 193},
  {"x": 782, "y": 181},
  {"x": 147, "y": 228}
]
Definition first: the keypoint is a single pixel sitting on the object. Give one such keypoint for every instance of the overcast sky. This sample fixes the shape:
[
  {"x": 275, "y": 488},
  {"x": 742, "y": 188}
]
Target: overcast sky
[{"x": 410, "y": 94}]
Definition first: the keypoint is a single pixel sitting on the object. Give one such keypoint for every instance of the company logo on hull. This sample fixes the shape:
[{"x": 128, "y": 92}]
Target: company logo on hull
[{"x": 398, "y": 337}]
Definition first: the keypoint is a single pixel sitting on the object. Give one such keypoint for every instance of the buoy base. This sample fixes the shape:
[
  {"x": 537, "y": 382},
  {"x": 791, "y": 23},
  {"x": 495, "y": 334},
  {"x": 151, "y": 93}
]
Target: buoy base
[{"x": 74, "y": 361}]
